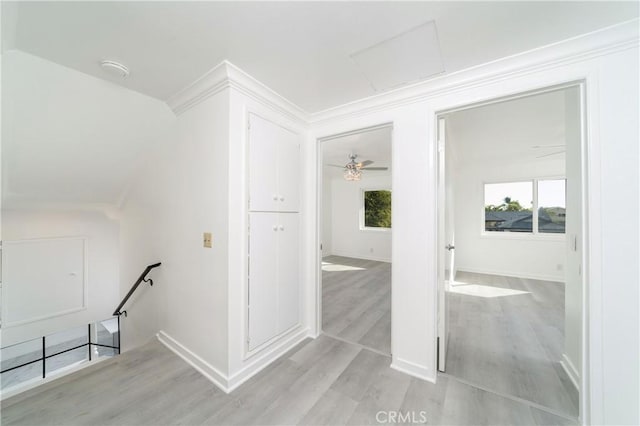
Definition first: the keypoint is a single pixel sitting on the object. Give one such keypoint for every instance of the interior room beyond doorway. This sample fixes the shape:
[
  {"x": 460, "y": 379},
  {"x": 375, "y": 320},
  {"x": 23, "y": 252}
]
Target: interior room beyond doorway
[
  {"x": 356, "y": 238},
  {"x": 512, "y": 306}
]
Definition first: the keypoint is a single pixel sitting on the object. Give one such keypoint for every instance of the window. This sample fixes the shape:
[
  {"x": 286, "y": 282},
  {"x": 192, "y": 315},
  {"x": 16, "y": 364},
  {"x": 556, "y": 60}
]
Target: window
[
  {"x": 535, "y": 206},
  {"x": 552, "y": 204},
  {"x": 376, "y": 209}
]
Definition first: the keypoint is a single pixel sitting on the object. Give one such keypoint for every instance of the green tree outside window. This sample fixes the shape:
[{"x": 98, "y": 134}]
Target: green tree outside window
[{"x": 377, "y": 209}]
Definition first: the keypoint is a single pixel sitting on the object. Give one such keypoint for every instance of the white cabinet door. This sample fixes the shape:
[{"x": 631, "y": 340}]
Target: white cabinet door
[
  {"x": 288, "y": 171},
  {"x": 263, "y": 291},
  {"x": 274, "y": 167},
  {"x": 263, "y": 164},
  {"x": 288, "y": 271}
]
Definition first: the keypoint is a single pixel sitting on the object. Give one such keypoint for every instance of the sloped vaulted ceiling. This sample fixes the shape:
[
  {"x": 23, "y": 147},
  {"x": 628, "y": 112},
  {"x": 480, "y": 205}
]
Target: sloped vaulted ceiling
[{"x": 68, "y": 138}]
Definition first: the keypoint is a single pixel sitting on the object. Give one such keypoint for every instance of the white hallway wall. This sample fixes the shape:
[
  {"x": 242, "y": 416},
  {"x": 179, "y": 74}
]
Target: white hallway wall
[
  {"x": 195, "y": 182},
  {"x": 347, "y": 238},
  {"x": 180, "y": 193},
  {"x": 610, "y": 69}
]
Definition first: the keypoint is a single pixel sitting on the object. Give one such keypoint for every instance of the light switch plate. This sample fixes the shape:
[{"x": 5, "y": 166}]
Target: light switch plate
[{"x": 207, "y": 239}]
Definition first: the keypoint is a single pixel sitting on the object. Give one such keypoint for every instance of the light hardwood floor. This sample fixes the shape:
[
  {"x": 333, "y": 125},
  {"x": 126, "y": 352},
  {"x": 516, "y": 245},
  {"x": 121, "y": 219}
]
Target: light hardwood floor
[
  {"x": 356, "y": 301},
  {"x": 321, "y": 381},
  {"x": 507, "y": 335}
]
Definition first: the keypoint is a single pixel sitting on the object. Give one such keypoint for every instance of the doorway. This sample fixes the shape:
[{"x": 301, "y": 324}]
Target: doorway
[
  {"x": 510, "y": 236},
  {"x": 356, "y": 230}
]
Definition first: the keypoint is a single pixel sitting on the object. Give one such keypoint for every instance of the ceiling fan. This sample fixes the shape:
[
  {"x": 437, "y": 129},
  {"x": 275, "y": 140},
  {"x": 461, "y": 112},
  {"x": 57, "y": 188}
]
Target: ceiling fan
[
  {"x": 353, "y": 169},
  {"x": 557, "y": 150}
]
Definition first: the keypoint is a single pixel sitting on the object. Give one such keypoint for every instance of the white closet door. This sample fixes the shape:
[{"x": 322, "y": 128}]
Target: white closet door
[
  {"x": 263, "y": 164},
  {"x": 288, "y": 271},
  {"x": 263, "y": 289},
  {"x": 288, "y": 171}
]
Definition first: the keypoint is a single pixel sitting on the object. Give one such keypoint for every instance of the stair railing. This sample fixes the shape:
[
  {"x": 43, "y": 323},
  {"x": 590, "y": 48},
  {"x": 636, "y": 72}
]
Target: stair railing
[{"x": 141, "y": 278}]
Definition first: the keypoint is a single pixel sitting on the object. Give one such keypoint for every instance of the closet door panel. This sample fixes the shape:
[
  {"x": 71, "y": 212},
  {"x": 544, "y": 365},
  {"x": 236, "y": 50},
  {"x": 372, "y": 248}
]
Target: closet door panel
[
  {"x": 263, "y": 164},
  {"x": 263, "y": 288},
  {"x": 288, "y": 271},
  {"x": 288, "y": 171}
]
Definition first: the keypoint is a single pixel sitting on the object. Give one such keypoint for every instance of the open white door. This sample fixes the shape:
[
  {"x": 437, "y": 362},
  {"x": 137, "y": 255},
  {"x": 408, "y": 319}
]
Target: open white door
[{"x": 446, "y": 258}]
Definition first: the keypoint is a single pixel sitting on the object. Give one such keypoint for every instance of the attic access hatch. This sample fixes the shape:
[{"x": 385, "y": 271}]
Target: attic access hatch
[{"x": 408, "y": 57}]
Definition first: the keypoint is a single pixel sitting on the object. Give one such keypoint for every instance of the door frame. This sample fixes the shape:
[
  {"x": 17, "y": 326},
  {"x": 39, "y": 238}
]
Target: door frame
[
  {"x": 583, "y": 237},
  {"x": 319, "y": 219}
]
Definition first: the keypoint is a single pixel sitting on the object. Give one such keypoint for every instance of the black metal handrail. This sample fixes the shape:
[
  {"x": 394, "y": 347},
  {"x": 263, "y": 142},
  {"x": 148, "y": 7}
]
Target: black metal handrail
[
  {"x": 141, "y": 278},
  {"x": 44, "y": 357}
]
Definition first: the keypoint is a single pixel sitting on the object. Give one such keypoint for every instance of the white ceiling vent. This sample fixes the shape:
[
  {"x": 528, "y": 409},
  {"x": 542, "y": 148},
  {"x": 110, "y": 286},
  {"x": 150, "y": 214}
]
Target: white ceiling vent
[{"x": 408, "y": 57}]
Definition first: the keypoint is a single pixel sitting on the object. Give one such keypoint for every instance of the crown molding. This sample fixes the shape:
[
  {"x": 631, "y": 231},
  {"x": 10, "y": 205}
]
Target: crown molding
[
  {"x": 224, "y": 76},
  {"x": 584, "y": 47},
  {"x": 588, "y": 46}
]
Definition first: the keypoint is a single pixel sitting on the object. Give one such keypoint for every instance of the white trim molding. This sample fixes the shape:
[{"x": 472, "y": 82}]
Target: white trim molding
[
  {"x": 260, "y": 361},
  {"x": 413, "y": 369},
  {"x": 226, "y": 75},
  {"x": 605, "y": 41},
  {"x": 228, "y": 383},
  {"x": 216, "y": 376}
]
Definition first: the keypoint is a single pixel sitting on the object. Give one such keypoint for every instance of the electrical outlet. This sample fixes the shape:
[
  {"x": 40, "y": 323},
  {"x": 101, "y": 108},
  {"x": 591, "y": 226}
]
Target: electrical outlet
[{"x": 207, "y": 239}]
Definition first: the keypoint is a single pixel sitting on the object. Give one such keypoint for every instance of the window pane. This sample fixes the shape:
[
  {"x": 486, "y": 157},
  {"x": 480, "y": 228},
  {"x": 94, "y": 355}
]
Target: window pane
[
  {"x": 508, "y": 207},
  {"x": 377, "y": 209},
  {"x": 552, "y": 204}
]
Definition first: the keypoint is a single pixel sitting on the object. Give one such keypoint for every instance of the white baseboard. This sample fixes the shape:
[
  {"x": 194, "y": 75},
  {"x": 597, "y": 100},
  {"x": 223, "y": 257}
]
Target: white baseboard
[
  {"x": 360, "y": 256},
  {"x": 528, "y": 276},
  {"x": 413, "y": 369},
  {"x": 263, "y": 359},
  {"x": 228, "y": 383},
  {"x": 209, "y": 371},
  {"x": 571, "y": 371}
]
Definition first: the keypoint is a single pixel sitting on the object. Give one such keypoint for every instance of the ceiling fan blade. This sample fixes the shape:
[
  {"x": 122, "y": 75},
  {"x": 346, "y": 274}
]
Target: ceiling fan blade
[
  {"x": 547, "y": 146},
  {"x": 365, "y": 163},
  {"x": 552, "y": 153},
  {"x": 374, "y": 168}
]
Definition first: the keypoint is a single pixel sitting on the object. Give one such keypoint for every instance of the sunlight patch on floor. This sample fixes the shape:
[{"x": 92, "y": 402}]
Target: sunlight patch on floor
[
  {"x": 483, "y": 290},
  {"x": 334, "y": 267}
]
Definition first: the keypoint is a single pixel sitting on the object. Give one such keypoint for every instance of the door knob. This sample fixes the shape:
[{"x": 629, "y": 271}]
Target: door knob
[
  {"x": 281, "y": 198},
  {"x": 281, "y": 228},
  {"x": 275, "y": 198},
  {"x": 275, "y": 227},
  {"x": 450, "y": 247}
]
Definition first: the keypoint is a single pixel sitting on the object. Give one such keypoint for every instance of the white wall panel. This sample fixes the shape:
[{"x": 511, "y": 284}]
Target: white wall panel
[{"x": 42, "y": 279}]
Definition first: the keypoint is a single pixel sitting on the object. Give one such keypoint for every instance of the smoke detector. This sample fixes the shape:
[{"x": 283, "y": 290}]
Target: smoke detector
[{"x": 115, "y": 68}]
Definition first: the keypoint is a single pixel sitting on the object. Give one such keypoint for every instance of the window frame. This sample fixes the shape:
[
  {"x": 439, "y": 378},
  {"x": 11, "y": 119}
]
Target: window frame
[
  {"x": 361, "y": 210},
  {"x": 535, "y": 234}
]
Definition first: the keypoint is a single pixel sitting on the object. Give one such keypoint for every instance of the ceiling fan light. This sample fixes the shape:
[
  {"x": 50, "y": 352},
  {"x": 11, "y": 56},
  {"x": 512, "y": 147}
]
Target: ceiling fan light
[{"x": 352, "y": 174}]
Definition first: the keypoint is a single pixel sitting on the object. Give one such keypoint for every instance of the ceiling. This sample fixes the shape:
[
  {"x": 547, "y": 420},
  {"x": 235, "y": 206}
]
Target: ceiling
[
  {"x": 302, "y": 50},
  {"x": 69, "y": 139},
  {"x": 527, "y": 129},
  {"x": 374, "y": 145}
]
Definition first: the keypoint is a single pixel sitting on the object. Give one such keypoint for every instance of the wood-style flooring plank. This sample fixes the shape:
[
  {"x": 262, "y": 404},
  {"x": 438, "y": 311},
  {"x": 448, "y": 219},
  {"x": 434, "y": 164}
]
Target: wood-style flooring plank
[
  {"x": 322, "y": 381},
  {"x": 356, "y": 301},
  {"x": 507, "y": 334}
]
